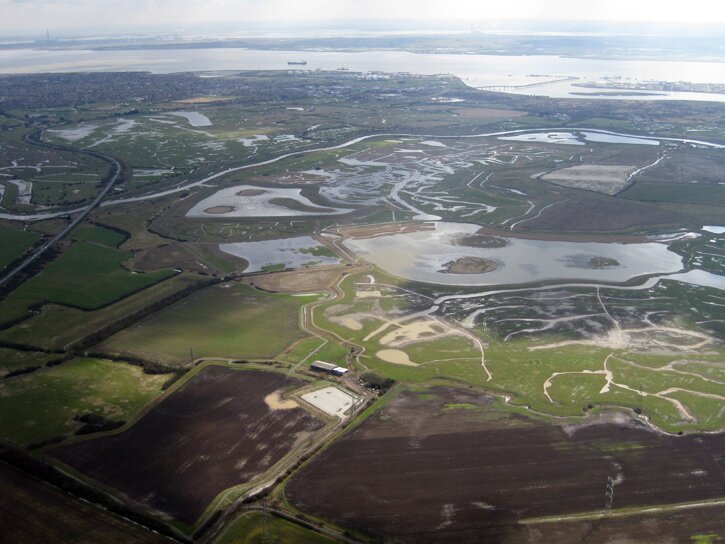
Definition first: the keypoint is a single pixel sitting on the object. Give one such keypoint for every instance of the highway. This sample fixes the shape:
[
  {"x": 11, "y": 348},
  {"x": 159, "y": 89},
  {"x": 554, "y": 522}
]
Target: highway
[{"x": 115, "y": 168}]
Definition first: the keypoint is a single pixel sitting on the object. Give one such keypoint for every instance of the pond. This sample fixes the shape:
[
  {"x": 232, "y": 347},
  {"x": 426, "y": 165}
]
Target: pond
[{"x": 287, "y": 253}]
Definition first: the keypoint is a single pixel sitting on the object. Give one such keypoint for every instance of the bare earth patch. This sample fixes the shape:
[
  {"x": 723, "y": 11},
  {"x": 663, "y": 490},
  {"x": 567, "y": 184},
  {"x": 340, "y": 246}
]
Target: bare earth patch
[
  {"x": 385, "y": 230},
  {"x": 276, "y": 402},
  {"x": 302, "y": 281},
  {"x": 368, "y": 294},
  {"x": 405, "y": 333},
  {"x": 449, "y": 466},
  {"x": 395, "y": 356},
  {"x": 214, "y": 432},
  {"x": 351, "y": 323}
]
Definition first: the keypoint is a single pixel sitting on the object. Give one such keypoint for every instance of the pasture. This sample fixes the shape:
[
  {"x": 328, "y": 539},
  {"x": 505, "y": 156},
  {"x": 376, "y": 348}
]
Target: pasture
[
  {"x": 14, "y": 243},
  {"x": 98, "y": 234},
  {"x": 251, "y": 528},
  {"x": 71, "y": 281},
  {"x": 12, "y": 360},
  {"x": 58, "y": 327},
  {"x": 229, "y": 320},
  {"x": 41, "y": 406}
]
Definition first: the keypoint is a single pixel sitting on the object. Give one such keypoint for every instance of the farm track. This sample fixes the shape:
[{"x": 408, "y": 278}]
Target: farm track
[
  {"x": 307, "y": 321},
  {"x": 625, "y": 512}
]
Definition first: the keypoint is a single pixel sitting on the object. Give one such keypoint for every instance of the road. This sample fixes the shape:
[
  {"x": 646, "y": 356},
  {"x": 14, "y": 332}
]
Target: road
[{"x": 115, "y": 168}]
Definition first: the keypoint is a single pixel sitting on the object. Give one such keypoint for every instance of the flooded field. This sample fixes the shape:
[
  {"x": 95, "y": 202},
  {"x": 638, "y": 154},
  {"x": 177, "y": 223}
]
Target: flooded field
[
  {"x": 420, "y": 256},
  {"x": 287, "y": 253},
  {"x": 195, "y": 118},
  {"x": 580, "y": 138},
  {"x": 251, "y": 201}
]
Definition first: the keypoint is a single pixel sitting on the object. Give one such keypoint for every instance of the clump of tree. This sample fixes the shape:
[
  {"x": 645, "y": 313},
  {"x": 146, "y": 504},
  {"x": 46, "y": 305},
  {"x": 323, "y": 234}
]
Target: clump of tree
[
  {"x": 96, "y": 423},
  {"x": 21, "y": 371},
  {"x": 376, "y": 382}
]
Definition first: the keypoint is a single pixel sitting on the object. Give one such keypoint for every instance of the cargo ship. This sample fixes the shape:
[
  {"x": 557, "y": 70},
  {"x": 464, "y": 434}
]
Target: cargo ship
[{"x": 297, "y": 62}]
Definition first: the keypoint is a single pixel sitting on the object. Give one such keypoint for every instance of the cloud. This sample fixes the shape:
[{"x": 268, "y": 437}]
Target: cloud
[{"x": 90, "y": 15}]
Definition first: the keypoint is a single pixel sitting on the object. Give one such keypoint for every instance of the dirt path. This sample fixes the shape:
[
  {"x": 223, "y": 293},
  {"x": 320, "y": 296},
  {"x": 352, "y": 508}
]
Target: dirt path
[
  {"x": 633, "y": 511},
  {"x": 610, "y": 382}
]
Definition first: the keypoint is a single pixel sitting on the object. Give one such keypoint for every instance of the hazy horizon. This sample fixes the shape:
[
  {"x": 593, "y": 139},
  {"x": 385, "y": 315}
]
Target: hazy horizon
[{"x": 31, "y": 18}]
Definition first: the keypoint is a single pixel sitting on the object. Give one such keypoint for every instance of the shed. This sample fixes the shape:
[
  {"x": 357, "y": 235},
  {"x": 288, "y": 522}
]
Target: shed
[{"x": 321, "y": 366}]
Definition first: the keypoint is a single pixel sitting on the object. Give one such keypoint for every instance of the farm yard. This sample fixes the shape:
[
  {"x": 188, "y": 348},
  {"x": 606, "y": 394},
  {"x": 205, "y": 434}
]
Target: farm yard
[{"x": 215, "y": 432}]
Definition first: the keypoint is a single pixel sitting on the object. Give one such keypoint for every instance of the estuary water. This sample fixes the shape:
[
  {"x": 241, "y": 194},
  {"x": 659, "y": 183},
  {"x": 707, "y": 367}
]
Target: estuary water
[{"x": 545, "y": 72}]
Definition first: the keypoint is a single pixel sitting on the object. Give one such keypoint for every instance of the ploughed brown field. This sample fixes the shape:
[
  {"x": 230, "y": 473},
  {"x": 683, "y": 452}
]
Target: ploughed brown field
[
  {"x": 32, "y": 512},
  {"x": 215, "y": 432},
  {"x": 447, "y": 465},
  {"x": 690, "y": 526}
]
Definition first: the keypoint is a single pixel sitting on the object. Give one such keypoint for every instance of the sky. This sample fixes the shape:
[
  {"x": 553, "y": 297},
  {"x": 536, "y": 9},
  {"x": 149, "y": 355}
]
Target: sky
[{"x": 92, "y": 16}]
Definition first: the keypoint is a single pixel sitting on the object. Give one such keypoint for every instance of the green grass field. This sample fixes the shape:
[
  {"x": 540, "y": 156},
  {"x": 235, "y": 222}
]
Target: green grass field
[
  {"x": 694, "y": 193},
  {"x": 331, "y": 352},
  {"x": 249, "y": 528},
  {"x": 87, "y": 276},
  {"x": 95, "y": 233},
  {"x": 14, "y": 243},
  {"x": 231, "y": 320},
  {"x": 56, "y": 326},
  {"x": 684, "y": 398},
  {"x": 580, "y": 384},
  {"x": 42, "y": 405},
  {"x": 13, "y": 360},
  {"x": 452, "y": 356}
]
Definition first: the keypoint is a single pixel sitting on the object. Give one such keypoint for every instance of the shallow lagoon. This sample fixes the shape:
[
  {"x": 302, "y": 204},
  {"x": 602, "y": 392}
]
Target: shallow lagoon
[
  {"x": 289, "y": 252},
  {"x": 195, "y": 118},
  {"x": 252, "y": 201},
  {"x": 580, "y": 138},
  {"x": 420, "y": 256}
]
